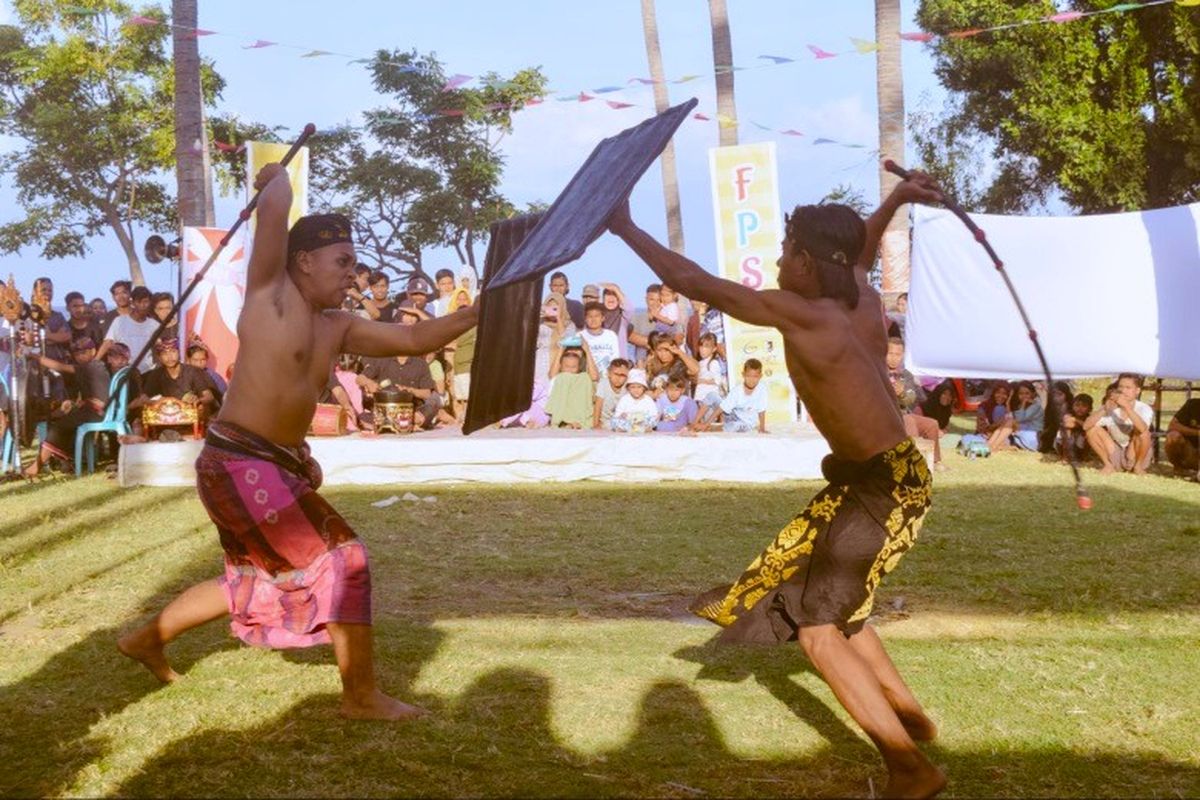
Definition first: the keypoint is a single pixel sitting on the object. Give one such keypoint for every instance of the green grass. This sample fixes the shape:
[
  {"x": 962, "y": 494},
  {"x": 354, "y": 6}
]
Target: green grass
[{"x": 545, "y": 628}]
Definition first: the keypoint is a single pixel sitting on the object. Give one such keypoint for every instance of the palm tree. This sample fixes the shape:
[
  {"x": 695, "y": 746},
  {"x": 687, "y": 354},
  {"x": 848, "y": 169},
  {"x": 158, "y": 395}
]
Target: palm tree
[
  {"x": 723, "y": 66},
  {"x": 661, "y": 102},
  {"x": 192, "y": 165},
  {"x": 889, "y": 81}
]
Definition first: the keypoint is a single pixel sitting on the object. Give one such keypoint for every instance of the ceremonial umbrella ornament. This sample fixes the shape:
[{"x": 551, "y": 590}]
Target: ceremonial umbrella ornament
[
  {"x": 524, "y": 249},
  {"x": 212, "y": 313},
  {"x": 1082, "y": 498}
]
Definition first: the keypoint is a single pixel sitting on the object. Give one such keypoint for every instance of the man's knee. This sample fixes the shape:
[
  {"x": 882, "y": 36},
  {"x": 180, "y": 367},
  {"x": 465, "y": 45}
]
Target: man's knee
[{"x": 816, "y": 638}]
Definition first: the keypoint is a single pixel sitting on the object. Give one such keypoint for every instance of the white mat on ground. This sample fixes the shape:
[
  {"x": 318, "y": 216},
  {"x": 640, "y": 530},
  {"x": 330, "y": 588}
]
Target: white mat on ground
[
  {"x": 503, "y": 456},
  {"x": 1107, "y": 293}
]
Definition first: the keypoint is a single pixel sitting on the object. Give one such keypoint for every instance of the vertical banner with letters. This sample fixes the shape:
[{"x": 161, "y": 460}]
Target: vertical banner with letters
[
  {"x": 749, "y": 229},
  {"x": 259, "y": 154}
]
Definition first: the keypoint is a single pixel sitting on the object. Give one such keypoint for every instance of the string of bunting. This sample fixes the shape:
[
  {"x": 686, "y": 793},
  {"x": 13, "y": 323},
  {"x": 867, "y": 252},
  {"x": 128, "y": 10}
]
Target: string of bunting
[{"x": 815, "y": 52}]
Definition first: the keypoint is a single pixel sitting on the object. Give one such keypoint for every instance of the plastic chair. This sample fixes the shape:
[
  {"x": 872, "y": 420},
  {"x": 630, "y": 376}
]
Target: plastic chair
[
  {"x": 6, "y": 459},
  {"x": 114, "y": 422}
]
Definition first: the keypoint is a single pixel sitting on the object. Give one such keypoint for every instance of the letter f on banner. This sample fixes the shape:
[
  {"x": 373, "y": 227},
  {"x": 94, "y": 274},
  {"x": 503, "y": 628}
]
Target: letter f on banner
[{"x": 743, "y": 176}]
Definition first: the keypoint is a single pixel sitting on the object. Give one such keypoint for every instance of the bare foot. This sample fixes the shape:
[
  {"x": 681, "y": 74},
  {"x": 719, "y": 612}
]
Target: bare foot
[
  {"x": 1139, "y": 471},
  {"x": 379, "y": 706},
  {"x": 143, "y": 645},
  {"x": 919, "y": 726},
  {"x": 1107, "y": 469},
  {"x": 925, "y": 781}
]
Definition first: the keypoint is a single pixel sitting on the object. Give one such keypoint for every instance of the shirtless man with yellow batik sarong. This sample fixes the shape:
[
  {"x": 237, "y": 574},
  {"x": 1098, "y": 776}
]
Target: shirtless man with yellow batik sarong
[{"x": 816, "y": 581}]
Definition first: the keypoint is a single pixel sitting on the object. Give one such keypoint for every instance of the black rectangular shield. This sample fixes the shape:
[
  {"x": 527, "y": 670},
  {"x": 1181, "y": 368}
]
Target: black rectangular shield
[
  {"x": 506, "y": 342},
  {"x": 580, "y": 213}
]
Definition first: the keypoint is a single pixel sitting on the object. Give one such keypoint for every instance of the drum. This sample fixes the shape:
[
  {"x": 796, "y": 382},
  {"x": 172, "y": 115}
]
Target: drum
[
  {"x": 167, "y": 412},
  {"x": 328, "y": 420},
  {"x": 393, "y": 410}
]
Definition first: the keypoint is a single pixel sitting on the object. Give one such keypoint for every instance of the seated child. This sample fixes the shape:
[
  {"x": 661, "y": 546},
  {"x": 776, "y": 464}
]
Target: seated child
[
  {"x": 1071, "y": 440},
  {"x": 636, "y": 411},
  {"x": 609, "y": 391},
  {"x": 1026, "y": 418},
  {"x": 744, "y": 408},
  {"x": 676, "y": 410},
  {"x": 572, "y": 393},
  {"x": 711, "y": 379}
]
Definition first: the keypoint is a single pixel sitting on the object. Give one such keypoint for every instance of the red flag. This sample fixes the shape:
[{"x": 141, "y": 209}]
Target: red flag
[
  {"x": 819, "y": 53},
  {"x": 920, "y": 36},
  {"x": 617, "y": 104}
]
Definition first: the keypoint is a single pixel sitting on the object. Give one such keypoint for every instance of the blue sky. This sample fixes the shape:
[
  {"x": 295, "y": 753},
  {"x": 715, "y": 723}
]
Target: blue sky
[{"x": 579, "y": 46}]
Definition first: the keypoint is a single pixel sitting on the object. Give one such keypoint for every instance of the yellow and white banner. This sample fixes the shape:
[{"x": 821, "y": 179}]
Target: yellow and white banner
[
  {"x": 259, "y": 154},
  {"x": 749, "y": 229}
]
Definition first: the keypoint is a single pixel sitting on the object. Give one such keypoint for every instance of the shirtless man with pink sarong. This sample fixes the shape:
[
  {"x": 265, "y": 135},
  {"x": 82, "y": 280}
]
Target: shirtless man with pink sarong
[{"x": 295, "y": 573}]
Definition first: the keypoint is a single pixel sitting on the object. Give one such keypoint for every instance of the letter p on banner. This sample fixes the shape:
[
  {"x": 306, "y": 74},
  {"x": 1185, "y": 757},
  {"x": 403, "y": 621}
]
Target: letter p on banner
[{"x": 749, "y": 228}]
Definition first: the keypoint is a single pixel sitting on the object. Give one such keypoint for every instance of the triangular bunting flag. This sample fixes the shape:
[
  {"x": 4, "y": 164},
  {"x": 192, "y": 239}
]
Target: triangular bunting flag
[
  {"x": 819, "y": 53},
  {"x": 919, "y": 36},
  {"x": 643, "y": 81},
  {"x": 584, "y": 97},
  {"x": 792, "y": 132},
  {"x": 685, "y": 79},
  {"x": 618, "y": 105},
  {"x": 1066, "y": 16},
  {"x": 778, "y": 59},
  {"x": 138, "y": 19},
  {"x": 316, "y": 54},
  {"x": 258, "y": 44},
  {"x": 965, "y": 34},
  {"x": 198, "y": 32},
  {"x": 701, "y": 117},
  {"x": 455, "y": 82},
  {"x": 607, "y": 89},
  {"x": 863, "y": 46},
  {"x": 760, "y": 126},
  {"x": 726, "y": 122},
  {"x": 824, "y": 141}
]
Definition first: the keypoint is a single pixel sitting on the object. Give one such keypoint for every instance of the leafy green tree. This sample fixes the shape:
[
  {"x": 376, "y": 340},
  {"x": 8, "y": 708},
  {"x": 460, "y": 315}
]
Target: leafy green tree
[
  {"x": 434, "y": 179},
  {"x": 1103, "y": 113},
  {"x": 88, "y": 96}
]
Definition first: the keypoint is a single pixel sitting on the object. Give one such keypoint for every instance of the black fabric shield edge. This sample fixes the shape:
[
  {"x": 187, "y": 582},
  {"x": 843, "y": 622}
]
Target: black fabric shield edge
[
  {"x": 506, "y": 340},
  {"x": 579, "y": 214}
]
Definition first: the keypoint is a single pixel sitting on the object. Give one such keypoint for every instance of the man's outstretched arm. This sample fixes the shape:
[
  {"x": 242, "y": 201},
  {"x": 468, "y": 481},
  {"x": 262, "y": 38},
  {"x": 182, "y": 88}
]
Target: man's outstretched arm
[
  {"x": 691, "y": 280},
  {"x": 919, "y": 188},
  {"x": 368, "y": 338}
]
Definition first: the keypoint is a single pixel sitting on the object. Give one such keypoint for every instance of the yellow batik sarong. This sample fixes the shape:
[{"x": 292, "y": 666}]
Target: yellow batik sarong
[{"x": 824, "y": 567}]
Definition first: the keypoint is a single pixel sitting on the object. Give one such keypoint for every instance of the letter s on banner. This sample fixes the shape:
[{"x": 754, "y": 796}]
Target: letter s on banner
[{"x": 751, "y": 268}]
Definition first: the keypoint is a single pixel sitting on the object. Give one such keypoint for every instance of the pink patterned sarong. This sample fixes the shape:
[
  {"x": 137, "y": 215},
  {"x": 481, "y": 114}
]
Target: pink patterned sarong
[{"x": 292, "y": 563}]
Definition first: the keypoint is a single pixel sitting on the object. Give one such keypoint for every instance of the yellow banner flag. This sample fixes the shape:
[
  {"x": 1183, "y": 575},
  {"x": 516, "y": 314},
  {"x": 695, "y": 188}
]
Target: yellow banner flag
[
  {"x": 259, "y": 154},
  {"x": 749, "y": 229},
  {"x": 863, "y": 46}
]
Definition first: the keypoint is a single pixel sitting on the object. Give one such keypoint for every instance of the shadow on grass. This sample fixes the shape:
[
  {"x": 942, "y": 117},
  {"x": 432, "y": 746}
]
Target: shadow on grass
[
  {"x": 497, "y": 739},
  {"x": 48, "y": 714}
]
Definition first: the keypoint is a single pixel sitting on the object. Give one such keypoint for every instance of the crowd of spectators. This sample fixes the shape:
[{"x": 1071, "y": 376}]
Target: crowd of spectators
[
  {"x": 1116, "y": 436},
  {"x": 600, "y": 364}
]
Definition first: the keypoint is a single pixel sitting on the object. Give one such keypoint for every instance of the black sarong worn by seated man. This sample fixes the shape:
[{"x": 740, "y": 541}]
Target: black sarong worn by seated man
[{"x": 824, "y": 567}]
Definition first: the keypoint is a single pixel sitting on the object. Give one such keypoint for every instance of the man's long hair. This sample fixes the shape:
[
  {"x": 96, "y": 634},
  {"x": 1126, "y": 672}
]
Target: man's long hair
[{"x": 833, "y": 235}]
